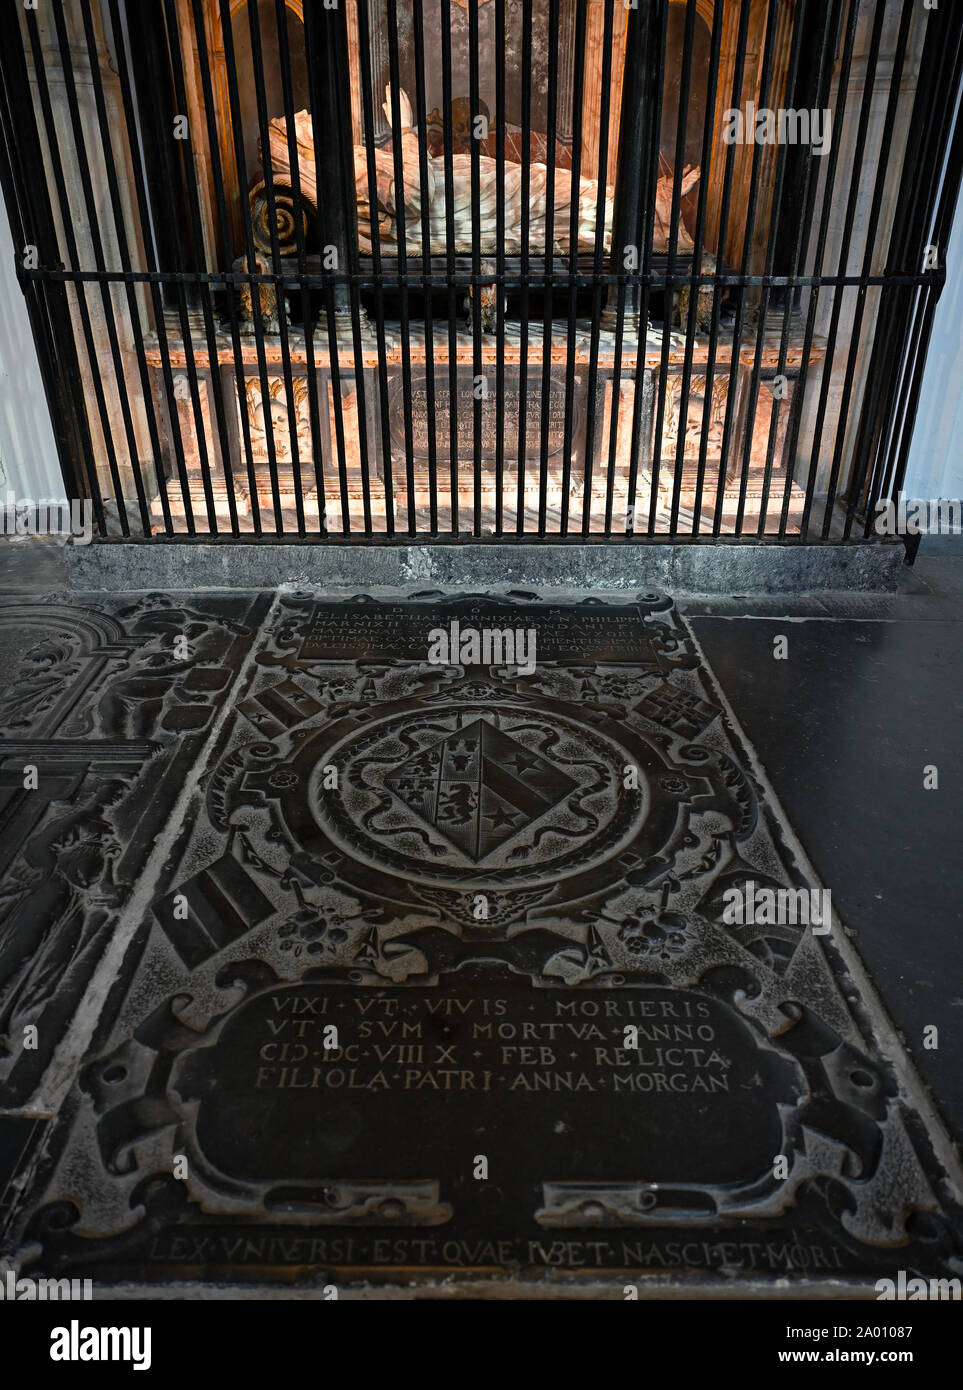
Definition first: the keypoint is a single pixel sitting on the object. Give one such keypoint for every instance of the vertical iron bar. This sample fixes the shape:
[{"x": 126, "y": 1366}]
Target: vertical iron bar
[
  {"x": 499, "y": 265},
  {"x": 525, "y": 262},
  {"x": 911, "y": 229},
  {"x": 402, "y": 265},
  {"x": 254, "y": 279},
  {"x": 346, "y": 295},
  {"x": 260, "y": 102},
  {"x": 775, "y": 212},
  {"x": 135, "y": 105},
  {"x": 681, "y": 131},
  {"x": 643, "y": 21},
  {"x": 841, "y": 269},
  {"x": 166, "y": 174},
  {"x": 217, "y": 383},
  {"x": 648, "y": 122},
  {"x": 336, "y": 167},
  {"x": 857, "y": 467},
  {"x": 475, "y": 297},
  {"x": 828, "y": 45},
  {"x": 373, "y": 216},
  {"x": 99, "y": 256},
  {"x": 940, "y": 232},
  {"x": 447, "y": 133},
  {"x": 101, "y": 266},
  {"x": 747, "y": 247},
  {"x": 124, "y": 248},
  {"x": 32, "y": 223},
  {"x": 348, "y": 186},
  {"x": 696, "y": 283},
  {"x": 738, "y": 78},
  {"x": 598, "y": 262},
  {"x": 426, "y": 262},
  {"x": 927, "y": 312},
  {"x": 795, "y": 414},
  {"x": 201, "y": 293},
  {"x": 53, "y": 146},
  {"x": 307, "y": 316},
  {"x": 575, "y": 210},
  {"x": 549, "y": 259}
]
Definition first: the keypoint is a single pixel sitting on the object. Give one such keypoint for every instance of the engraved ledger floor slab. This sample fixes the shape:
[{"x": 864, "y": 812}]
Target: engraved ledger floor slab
[{"x": 433, "y": 973}]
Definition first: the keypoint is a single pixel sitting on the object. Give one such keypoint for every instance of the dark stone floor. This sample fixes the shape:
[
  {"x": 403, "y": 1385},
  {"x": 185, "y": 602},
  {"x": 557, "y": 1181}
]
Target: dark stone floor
[
  {"x": 259, "y": 818},
  {"x": 870, "y": 694}
]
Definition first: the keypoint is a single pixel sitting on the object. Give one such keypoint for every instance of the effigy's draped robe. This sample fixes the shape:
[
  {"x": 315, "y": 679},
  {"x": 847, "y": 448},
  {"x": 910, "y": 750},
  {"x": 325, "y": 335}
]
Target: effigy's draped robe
[{"x": 434, "y": 192}]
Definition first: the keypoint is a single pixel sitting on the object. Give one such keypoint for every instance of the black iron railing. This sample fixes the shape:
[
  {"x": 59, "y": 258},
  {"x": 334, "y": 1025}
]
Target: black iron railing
[{"x": 390, "y": 327}]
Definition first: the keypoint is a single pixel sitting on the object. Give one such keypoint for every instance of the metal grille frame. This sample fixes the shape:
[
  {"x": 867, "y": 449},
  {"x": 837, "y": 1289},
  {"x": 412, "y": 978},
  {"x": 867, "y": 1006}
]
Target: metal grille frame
[{"x": 136, "y": 280}]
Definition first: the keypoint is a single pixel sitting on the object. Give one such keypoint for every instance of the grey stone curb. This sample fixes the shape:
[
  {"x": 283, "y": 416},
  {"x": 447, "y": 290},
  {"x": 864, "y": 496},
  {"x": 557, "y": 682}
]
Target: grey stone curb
[{"x": 718, "y": 568}]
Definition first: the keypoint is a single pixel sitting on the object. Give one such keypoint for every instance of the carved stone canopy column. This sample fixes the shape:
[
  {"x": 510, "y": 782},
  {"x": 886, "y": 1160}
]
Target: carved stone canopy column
[
  {"x": 566, "y": 72},
  {"x": 380, "y": 68}
]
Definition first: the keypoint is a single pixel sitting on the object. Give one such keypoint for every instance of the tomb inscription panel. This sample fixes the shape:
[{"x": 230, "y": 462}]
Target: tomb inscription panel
[{"x": 432, "y": 414}]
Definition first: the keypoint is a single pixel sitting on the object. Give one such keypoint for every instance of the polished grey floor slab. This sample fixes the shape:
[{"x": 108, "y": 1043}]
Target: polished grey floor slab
[{"x": 846, "y": 727}]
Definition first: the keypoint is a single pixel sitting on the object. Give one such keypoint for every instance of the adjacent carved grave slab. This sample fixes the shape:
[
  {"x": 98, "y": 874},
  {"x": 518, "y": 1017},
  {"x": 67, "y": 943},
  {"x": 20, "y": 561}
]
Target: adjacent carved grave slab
[{"x": 110, "y": 705}]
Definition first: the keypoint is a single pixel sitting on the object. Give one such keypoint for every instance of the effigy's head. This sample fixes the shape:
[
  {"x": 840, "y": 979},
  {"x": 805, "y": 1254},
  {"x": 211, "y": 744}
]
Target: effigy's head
[{"x": 405, "y": 112}]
